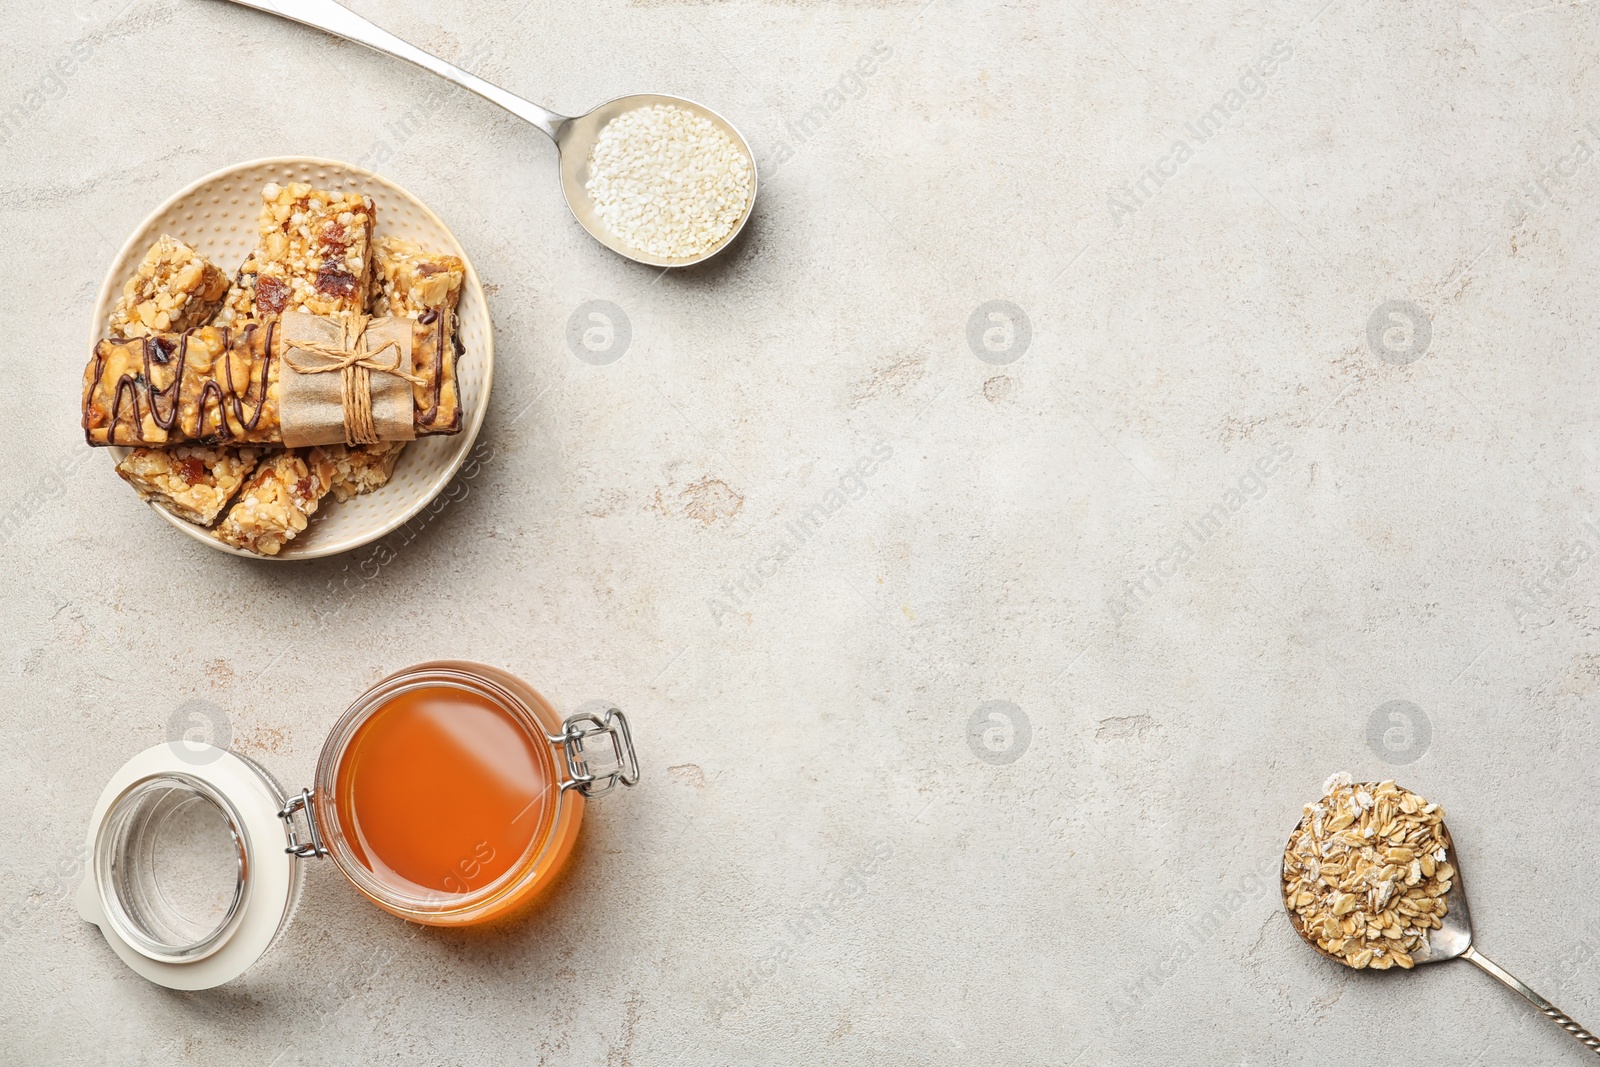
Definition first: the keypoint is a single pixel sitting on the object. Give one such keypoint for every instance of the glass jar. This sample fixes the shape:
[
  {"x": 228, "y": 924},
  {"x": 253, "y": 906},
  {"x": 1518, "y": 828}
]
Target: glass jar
[{"x": 449, "y": 793}]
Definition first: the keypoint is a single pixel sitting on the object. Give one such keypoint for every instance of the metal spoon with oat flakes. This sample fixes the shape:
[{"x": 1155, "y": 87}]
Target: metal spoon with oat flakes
[{"x": 1370, "y": 880}]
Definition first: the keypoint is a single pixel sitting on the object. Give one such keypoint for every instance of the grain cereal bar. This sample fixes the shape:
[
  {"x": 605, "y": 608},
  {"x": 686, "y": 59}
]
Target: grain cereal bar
[
  {"x": 360, "y": 469},
  {"x": 424, "y": 287},
  {"x": 193, "y": 483},
  {"x": 409, "y": 282},
  {"x": 312, "y": 251},
  {"x": 277, "y": 503},
  {"x": 174, "y": 289},
  {"x": 210, "y": 385}
]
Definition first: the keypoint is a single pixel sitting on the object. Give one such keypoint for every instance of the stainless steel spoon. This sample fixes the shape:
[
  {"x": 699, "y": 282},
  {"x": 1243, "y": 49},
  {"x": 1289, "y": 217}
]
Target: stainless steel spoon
[
  {"x": 574, "y": 136},
  {"x": 1454, "y": 940}
]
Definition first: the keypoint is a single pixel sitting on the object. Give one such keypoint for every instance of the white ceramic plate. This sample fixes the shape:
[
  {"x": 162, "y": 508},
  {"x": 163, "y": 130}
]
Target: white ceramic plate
[{"x": 217, "y": 216}]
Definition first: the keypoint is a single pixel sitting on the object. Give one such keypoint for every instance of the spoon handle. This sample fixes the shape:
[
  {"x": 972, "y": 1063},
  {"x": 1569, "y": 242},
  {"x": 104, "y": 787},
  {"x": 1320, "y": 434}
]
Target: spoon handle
[
  {"x": 342, "y": 22},
  {"x": 1562, "y": 1020}
]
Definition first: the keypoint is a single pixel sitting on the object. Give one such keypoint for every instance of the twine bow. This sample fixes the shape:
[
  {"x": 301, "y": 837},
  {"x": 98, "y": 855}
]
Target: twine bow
[{"x": 355, "y": 364}]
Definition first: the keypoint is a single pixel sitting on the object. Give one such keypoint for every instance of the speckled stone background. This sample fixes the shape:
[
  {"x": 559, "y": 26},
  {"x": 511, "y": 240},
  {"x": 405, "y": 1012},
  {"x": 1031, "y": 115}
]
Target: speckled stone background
[{"x": 993, "y": 552}]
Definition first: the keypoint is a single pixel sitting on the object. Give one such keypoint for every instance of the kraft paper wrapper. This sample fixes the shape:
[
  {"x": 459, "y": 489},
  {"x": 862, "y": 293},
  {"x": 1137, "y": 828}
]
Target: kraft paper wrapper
[{"x": 310, "y": 408}]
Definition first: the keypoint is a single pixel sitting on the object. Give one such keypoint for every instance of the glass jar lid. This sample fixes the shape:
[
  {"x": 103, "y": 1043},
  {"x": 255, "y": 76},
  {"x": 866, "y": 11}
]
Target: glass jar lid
[
  {"x": 188, "y": 877},
  {"x": 171, "y": 864}
]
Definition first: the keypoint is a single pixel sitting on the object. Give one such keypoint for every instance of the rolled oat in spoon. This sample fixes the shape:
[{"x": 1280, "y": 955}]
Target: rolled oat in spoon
[
  {"x": 1370, "y": 880},
  {"x": 1366, "y": 873}
]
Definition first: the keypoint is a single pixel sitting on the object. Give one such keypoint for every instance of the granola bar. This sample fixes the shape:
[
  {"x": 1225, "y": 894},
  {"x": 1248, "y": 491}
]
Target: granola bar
[
  {"x": 313, "y": 250},
  {"x": 360, "y": 469},
  {"x": 314, "y": 245},
  {"x": 426, "y": 287},
  {"x": 435, "y": 347},
  {"x": 277, "y": 503},
  {"x": 175, "y": 288},
  {"x": 204, "y": 385},
  {"x": 209, "y": 385},
  {"x": 198, "y": 483},
  {"x": 193, "y": 483},
  {"x": 406, "y": 280}
]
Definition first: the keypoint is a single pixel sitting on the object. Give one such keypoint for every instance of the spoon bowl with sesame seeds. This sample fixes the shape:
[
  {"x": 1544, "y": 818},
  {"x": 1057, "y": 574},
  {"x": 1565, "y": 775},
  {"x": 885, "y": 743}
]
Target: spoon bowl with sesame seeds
[
  {"x": 658, "y": 179},
  {"x": 1371, "y": 880}
]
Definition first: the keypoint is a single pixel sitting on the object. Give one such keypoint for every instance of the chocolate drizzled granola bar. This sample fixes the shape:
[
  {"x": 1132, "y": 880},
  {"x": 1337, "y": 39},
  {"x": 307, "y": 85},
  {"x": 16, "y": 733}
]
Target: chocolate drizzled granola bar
[
  {"x": 175, "y": 288},
  {"x": 211, "y": 385},
  {"x": 410, "y": 282},
  {"x": 424, "y": 287}
]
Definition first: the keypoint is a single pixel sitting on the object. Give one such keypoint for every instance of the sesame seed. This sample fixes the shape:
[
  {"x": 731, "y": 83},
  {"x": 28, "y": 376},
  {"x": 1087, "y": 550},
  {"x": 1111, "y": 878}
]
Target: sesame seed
[{"x": 668, "y": 182}]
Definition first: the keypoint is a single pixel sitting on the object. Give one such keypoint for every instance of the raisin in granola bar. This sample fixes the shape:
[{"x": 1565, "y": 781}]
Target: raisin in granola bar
[
  {"x": 193, "y": 483},
  {"x": 277, "y": 503},
  {"x": 174, "y": 289}
]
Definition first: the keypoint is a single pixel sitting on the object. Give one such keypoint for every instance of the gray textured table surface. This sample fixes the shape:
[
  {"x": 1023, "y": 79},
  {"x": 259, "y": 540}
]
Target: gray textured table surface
[{"x": 1369, "y": 272}]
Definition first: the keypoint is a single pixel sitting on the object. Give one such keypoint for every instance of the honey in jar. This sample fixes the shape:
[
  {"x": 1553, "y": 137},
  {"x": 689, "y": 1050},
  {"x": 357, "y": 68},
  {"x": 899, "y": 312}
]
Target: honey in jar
[{"x": 441, "y": 791}]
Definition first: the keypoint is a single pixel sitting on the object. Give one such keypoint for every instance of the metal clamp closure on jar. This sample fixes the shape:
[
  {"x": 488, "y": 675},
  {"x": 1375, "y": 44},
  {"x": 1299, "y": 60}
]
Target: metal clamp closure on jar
[
  {"x": 577, "y": 730},
  {"x": 301, "y": 802}
]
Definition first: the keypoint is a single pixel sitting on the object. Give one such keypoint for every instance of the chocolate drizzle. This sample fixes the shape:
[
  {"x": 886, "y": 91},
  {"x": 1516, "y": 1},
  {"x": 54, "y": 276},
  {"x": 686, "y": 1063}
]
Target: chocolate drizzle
[
  {"x": 126, "y": 385},
  {"x": 207, "y": 392},
  {"x": 433, "y": 318},
  {"x": 139, "y": 390},
  {"x": 266, "y": 365},
  {"x": 172, "y": 391}
]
